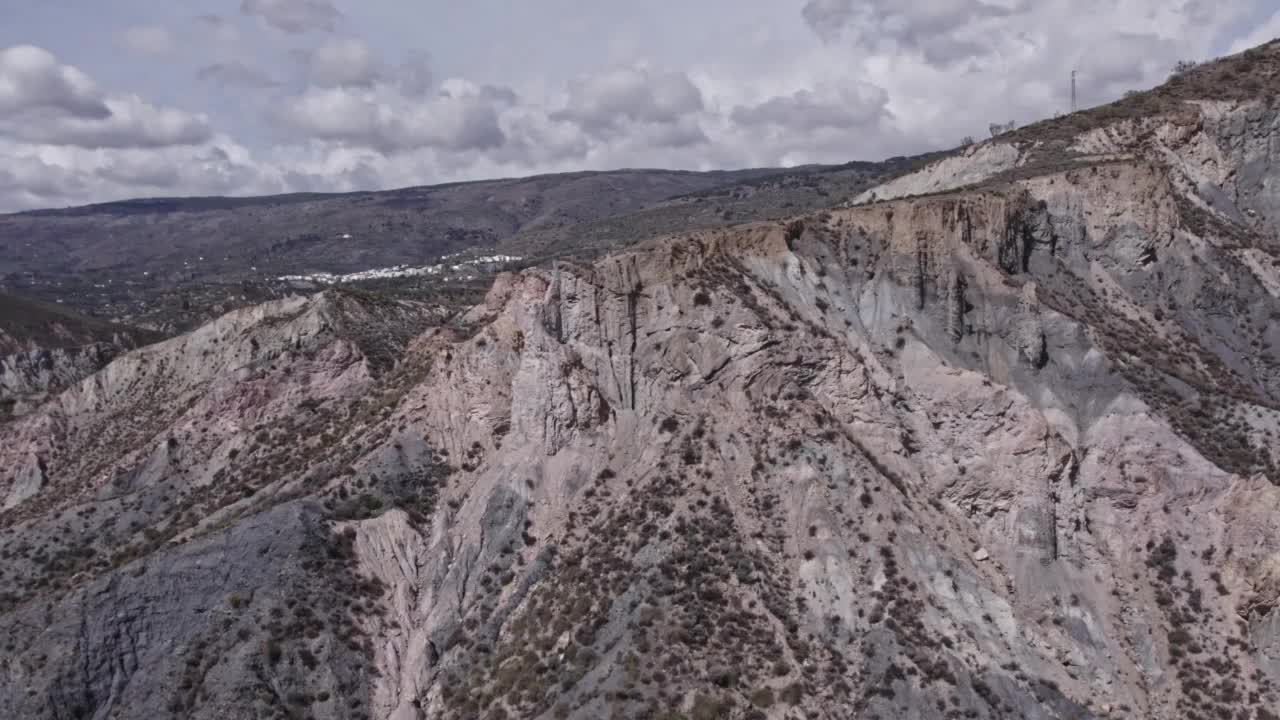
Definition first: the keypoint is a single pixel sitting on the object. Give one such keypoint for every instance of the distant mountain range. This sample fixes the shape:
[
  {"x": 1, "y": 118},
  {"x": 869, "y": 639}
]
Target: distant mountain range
[{"x": 171, "y": 262}]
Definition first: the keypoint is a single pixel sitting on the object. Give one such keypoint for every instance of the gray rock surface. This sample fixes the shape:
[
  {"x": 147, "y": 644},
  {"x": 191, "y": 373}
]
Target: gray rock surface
[
  {"x": 45, "y": 348},
  {"x": 1004, "y": 451},
  {"x": 27, "y": 377}
]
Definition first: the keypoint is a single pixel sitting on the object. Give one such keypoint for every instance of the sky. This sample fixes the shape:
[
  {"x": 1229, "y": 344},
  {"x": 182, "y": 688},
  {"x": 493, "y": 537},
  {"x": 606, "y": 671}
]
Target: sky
[{"x": 111, "y": 99}]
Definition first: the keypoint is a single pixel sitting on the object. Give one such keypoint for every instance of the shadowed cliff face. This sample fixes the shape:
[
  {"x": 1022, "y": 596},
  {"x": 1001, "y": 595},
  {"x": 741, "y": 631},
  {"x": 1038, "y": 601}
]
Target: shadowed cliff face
[{"x": 1006, "y": 450}]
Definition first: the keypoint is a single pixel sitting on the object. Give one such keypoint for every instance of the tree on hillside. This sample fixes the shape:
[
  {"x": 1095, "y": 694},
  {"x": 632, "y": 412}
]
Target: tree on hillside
[
  {"x": 1182, "y": 66},
  {"x": 1001, "y": 128}
]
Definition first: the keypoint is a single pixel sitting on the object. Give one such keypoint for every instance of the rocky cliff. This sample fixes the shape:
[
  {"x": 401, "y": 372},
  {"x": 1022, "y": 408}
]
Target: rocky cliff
[
  {"x": 44, "y": 348},
  {"x": 1006, "y": 449}
]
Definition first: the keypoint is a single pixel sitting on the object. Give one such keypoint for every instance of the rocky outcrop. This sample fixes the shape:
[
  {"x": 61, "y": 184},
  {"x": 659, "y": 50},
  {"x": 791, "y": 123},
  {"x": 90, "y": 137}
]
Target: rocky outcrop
[
  {"x": 1028, "y": 335},
  {"x": 27, "y": 377},
  {"x": 974, "y": 165},
  {"x": 45, "y": 348},
  {"x": 1001, "y": 451}
]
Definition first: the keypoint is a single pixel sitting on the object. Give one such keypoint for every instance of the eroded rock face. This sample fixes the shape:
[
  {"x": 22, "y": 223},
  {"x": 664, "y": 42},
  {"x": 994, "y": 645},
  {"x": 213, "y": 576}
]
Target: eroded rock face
[
  {"x": 28, "y": 377},
  {"x": 1006, "y": 451},
  {"x": 45, "y": 348}
]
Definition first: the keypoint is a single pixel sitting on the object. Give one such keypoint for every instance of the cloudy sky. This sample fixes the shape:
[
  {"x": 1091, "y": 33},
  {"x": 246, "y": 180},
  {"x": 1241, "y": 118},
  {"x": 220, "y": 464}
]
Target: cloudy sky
[{"x": 108, "y": 99}]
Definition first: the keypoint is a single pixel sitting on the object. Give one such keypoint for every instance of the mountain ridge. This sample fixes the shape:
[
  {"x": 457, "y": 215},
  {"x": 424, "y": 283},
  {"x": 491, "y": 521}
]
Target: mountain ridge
[
  {"x": 173, "y": 269},
  {"x": 993, "y": 444}
]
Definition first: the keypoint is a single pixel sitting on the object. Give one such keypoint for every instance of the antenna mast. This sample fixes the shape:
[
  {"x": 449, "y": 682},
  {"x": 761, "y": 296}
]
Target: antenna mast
[{"x": 1073, "y": 91}]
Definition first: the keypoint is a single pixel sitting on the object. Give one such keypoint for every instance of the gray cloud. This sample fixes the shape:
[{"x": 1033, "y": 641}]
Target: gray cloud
[
  {"x": 294, "y": 16},
  {"x": 150, "y": 171},
  {"x": 918, "y": 21},
  {"x": 132, "y": 123},
  {"x": 305, "y": 182},
  {"x": 929, "y": 26},
  {"x": 43, "y": 101},
  {"x": 1125, "y": 59},
  {"x": 352, "y": 63},
  {"x": 32, "y": 78},
  {"x": 684, "y": 134},
  {"x": 807, "y": 111},
  {"x": 476, "y": 128},
  {"x": 496, "y": 94},
  {"x": 76, "y": 176},
  {"x": 534, "y": 142},
  {"x": 29, "y": 182},
  {"x": 40, "y": 178},
  {"x": 601, "y": 104},
  {"x": 828, "y": 18},
  {"x": 236, "y": 73},
  {"x": 389, "y": 122},
  {"x": 944, "y": 50}
]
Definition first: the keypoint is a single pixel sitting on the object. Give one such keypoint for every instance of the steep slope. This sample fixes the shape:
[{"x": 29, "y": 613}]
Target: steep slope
[
  {"x": 1004, "y": 450},
  {"x": 44, "y": 348},
  {"x": 153, "y": 501}
]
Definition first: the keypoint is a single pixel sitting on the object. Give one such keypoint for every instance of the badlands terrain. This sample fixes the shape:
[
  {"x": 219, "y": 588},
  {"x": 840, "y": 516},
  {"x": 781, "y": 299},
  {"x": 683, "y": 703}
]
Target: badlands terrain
[{"x": 993, "y": 435}]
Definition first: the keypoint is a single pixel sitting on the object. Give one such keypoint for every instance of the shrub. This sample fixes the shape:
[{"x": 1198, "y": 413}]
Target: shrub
[
  {"x": 762, "y": 698},
  {"x": 706, "y": 707},
  {"x": 308, "y": 658},
  {"x": 273, "y": 651},
  {"x": 1183, "y": 66}
]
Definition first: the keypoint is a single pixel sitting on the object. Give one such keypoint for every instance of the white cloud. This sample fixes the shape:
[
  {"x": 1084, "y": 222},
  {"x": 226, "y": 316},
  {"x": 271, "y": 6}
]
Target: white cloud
[
  {"x": 45, "y": 102},
  {"x": 132, "y": 123},
  {"x": 382, "y": 119},
  {"x": 32, "y": 78},
  {"x": 53, "y": 176},
  {"x": 608, "y": 102},
  {"x": 951, "y": 67}
]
